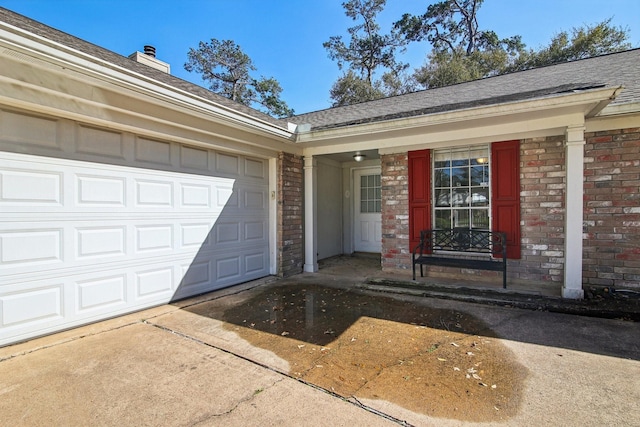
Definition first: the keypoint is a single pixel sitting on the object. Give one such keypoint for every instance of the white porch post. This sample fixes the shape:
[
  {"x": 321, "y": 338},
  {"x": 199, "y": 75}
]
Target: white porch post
[
  {"x": 574, "y": 212},
  {"x": 310, "y": 215}
]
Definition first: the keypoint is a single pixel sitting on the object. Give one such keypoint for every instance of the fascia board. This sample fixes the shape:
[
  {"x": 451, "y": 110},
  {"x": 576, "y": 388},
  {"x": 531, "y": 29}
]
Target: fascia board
[
  {"x": 63, "y": 56},
  {"x": 582, "y": 102}
]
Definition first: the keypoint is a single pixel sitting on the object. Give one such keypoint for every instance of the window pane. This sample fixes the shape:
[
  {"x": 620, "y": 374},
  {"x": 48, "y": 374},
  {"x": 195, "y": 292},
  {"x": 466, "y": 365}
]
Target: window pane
[
  {"x": 441, "y": 178},
  {"x": 459, "y": 177},
  {"x": 377, "y": 180},
  {"x": 461, "y": 218},
  {"x": 443, "y": 219},
  {"x": 363, "y": 181},
  {"x": 480, "y": 218},
  {"x": 480, "y": 175},
  {"x": 479, "y": 196},
  {"x": 363, "y": 206},
  {"x": 460, "y": 197},
  {"x": 378, "y": 206},
  {"x": 441, "y": 159},
  {"x": 442, "y": 197}
]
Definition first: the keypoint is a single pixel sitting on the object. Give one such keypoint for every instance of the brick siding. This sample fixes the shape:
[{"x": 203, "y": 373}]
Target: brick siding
[
  {"x": 612, "y": 209},
  {"x": 542, "y": 210},
  {"x": 395, "y": 212},
  {"x": 290, "y": 211}
]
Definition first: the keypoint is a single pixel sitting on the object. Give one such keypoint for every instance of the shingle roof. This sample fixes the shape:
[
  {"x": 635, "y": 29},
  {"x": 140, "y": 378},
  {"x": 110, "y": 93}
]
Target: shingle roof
[
  {"x": 63, "y": 38},
  {"x": 608, "y": 70}
]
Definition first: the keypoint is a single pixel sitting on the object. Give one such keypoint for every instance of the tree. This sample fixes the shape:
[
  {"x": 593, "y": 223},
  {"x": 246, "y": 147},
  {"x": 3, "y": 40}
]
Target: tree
[
  {"x": 367, "y": 51},
  {"x": 585, "y": 42},
  {"x": 227, "y": 68},
  {"x": 462, "y": 51}
]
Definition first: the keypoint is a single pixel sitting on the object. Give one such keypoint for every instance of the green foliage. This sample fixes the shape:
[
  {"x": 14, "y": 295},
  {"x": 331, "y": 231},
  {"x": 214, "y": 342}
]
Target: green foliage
[
  {"x": 366, "y": 52},
  {"x": 351, "y": 89},
  {"x": 226, "y": 68},
  {"x": 462, "y": 51},
  {"x": 584, "y": 42}
]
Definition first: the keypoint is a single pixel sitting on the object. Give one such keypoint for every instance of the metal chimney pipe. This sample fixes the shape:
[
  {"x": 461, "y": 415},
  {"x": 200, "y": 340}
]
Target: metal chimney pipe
[{"x": 150, "y": 50}]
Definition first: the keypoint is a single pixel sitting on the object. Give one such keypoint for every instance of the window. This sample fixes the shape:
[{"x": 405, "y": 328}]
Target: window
[
  {"x": 370, "y": 194},
  {"x": 461, "y": 188},
  {"x": 476, "y": 187}
]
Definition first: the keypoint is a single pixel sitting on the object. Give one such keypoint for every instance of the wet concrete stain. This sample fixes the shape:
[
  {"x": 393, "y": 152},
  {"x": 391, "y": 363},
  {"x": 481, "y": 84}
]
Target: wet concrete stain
[{"x": 442, "y": 363}]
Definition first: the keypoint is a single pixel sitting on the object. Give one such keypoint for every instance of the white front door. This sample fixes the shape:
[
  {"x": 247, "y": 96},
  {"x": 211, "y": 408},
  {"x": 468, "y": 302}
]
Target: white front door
[{"x": 367, "y": 217}]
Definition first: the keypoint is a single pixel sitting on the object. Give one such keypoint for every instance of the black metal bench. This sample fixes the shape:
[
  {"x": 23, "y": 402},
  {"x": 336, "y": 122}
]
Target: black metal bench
[{"x": 462, "y": 248}]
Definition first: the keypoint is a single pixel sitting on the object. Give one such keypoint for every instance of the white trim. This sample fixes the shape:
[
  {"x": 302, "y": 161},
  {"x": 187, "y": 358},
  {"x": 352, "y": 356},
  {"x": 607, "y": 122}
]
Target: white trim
[
  {"x": 310, "y": 215},
  {"x": 574, "y": 158}
]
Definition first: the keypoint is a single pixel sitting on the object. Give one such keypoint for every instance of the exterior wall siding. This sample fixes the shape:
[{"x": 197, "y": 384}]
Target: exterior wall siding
[
  {"x": 542, "y": 184},
  {"x": 290, "y": 214},
  {"x": 612, "y": 209}
]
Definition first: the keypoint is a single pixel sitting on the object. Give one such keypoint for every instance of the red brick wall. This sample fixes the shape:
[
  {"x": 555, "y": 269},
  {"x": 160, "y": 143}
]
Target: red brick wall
[
  {"x": 542, "y": 184},
  {"x": 290, "y": 211},
  {"x": 395, "y": 212},
  {"x": 612, "y": 209}
]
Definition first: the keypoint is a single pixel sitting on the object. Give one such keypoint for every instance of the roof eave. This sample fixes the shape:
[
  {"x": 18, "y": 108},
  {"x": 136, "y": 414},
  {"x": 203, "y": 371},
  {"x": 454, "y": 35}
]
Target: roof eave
[{"x": 589, "y": 103}]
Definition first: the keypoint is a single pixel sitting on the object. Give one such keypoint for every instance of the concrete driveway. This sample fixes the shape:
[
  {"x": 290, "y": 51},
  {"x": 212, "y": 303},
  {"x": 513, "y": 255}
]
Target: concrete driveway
[{"x": 310, "y": 350}]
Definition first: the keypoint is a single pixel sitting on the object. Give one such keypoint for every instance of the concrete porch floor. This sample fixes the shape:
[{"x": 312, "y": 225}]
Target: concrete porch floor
[{"x": 368, "y": 266}]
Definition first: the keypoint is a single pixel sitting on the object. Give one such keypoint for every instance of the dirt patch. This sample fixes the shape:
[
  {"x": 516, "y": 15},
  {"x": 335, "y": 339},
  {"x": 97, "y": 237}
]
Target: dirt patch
[{"x": 442, "y": 363}]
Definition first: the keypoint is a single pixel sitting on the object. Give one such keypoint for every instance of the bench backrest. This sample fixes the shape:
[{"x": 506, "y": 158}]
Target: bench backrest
[{"x": 464, "y": 240}]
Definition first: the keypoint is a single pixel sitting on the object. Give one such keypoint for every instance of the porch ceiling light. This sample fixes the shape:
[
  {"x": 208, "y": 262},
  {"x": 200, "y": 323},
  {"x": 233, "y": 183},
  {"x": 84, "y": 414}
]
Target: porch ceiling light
[{"x": 358, "y": 157}]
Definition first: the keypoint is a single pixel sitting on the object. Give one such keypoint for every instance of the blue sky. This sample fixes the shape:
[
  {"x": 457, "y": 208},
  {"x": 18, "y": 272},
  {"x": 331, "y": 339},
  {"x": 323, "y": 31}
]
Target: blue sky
[{"x": 284, "y": 37}]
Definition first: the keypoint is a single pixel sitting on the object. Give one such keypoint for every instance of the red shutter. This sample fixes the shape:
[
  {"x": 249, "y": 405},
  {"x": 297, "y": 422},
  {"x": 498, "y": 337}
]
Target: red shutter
[
  {"x": 419, "y": 194},
  {"x": 505, "y": 190}
]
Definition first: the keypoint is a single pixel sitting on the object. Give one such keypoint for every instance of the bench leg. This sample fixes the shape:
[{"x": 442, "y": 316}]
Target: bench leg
[
  {"x": 414, "y": 271},
  {"x": 504, "y": 279}
]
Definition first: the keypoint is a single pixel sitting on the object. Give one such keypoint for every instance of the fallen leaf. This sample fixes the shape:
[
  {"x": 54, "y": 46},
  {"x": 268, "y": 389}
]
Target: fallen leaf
[
  {"x": 494, "y": 386},
  {"x": 455, "y": 368},
  {"x": 454, "y": 344},
  {"x": 284, "y": 334},
  {"x": 482, "y": 384},
  {"x": 441, "y": 359},
  {"x": 300, "y": 345},
  {"x": 476, "y": 376},
  {"x": 469, "y": 353}
]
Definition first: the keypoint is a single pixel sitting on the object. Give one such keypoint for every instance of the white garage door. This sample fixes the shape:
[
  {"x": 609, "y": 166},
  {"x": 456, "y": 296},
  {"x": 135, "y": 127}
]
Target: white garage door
[{"x": 143, "y": 223}]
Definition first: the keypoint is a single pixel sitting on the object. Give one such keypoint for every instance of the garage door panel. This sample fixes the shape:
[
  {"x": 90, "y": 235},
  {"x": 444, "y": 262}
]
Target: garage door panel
[
  {"x": 194, "y": 158},
  {"x": 154, "y": 238},
  {"x": 154, "y": 194},
  {"x": 31, "y": 187},
  {"x": 100, "y": 142},
  {"x": 101, "y": 293},
  {"x": 24, "y": 248},
  {"x": 255, "y": 168},
  {"x": 153, "y": 152},
  {"x": 25, "y": 129},
  {"x": 83, "y": 241},
  {"x": 227, "y": 164},
  {"x": 30, "y": 306}
]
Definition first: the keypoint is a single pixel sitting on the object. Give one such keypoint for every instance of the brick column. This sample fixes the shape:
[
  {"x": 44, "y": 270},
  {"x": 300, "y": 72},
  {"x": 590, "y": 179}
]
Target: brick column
[
  {"x": 289, "y": 245},
  {"x": 396, "y": 254}
]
